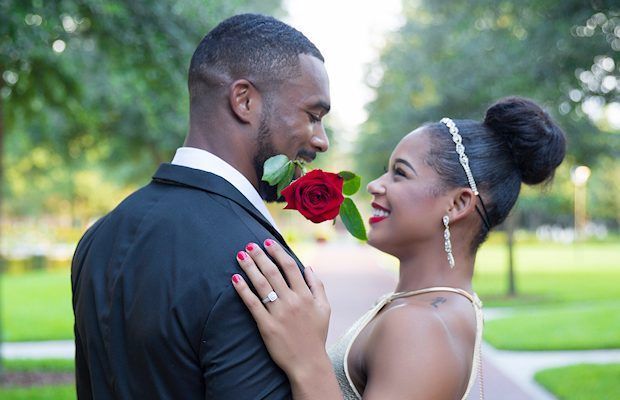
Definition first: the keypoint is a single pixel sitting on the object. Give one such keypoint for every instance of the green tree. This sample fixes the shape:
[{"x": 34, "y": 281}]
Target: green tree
[
  {"x": 455, "y": 58},
  {"x": 93, "y": 81}
]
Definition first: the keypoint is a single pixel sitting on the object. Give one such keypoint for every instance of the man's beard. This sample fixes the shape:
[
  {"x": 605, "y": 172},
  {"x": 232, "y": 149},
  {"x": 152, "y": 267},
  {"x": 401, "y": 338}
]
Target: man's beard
[{"x": 265, "y": 150}]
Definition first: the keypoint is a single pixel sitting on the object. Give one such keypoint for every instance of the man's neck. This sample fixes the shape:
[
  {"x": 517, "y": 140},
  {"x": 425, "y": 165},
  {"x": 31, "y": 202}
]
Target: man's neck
[{"x": 231, "y": 151}]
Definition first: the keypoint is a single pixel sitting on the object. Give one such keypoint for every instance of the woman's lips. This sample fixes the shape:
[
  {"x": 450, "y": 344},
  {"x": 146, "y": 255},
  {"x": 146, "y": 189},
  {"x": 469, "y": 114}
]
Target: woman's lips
[
  {"x": 379, "y": 213},
  {"x": 374, "y": 220}
]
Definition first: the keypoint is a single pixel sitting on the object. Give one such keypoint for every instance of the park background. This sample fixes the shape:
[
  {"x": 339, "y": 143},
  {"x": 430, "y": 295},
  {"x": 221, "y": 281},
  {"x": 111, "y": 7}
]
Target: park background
[{"x": 93, "y": 97}]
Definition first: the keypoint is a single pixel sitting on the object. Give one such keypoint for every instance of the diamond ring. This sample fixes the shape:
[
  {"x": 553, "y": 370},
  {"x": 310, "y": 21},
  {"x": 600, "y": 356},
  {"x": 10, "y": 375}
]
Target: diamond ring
[{"x": 271, "y": 297}]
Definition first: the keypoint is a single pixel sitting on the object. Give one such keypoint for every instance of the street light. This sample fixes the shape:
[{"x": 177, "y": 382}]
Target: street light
[{"x": 579, "y": 176}]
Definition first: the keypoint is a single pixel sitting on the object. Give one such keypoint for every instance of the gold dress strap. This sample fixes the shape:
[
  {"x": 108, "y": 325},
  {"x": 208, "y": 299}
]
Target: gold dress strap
[{"x": 462, "y": 292}]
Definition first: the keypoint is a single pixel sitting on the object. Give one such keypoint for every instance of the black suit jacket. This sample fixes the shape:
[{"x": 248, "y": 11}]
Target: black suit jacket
[{"x": 156, "y": 316}]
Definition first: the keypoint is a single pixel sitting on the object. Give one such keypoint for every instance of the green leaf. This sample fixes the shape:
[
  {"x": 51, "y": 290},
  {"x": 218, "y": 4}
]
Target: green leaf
[
  {"x": 301, "y": 165},
  {"x": 287, "y": 178},
  {"x": 347, "y": 175},
  {"x": 352, "y": 219},
  {"x": 351, "y": 186},
  {"x": 352, "y": 182},
  {"x": 275, "y": 169}
]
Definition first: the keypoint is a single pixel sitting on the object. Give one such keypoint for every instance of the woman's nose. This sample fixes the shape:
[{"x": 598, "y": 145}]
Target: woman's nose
[{"x": 376, "y": 187}]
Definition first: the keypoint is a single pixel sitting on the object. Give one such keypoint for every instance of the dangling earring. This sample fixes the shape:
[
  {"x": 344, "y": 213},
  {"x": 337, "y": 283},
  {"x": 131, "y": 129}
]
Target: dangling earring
[{"x": 446, "y": 241}]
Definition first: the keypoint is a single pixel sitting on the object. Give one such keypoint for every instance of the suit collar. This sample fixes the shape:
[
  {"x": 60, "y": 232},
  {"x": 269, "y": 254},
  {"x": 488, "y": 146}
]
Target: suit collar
[{"x": 208, "y": 182}]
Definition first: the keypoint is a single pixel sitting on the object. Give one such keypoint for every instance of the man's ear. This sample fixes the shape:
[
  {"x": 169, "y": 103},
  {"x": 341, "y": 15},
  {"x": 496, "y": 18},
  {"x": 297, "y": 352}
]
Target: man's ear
[
  {"x": 463, "y": 204},
  {"x": 245, "y": 101}
]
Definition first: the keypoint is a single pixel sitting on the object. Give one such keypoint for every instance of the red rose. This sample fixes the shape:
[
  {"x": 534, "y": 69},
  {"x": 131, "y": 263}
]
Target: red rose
[{"x": 316, "y": 195}]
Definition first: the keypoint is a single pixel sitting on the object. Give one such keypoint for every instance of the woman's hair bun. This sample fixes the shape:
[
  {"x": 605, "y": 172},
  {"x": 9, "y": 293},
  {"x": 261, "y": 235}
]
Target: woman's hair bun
[{"x": 537, "y": 144}]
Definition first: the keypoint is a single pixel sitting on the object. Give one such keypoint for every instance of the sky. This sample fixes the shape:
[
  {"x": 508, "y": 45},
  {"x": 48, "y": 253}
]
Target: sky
[{"x": 350, "y": 35}]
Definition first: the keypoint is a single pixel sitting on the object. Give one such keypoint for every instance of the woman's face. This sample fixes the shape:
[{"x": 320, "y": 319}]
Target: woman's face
[{"x": 408, "y": 200}]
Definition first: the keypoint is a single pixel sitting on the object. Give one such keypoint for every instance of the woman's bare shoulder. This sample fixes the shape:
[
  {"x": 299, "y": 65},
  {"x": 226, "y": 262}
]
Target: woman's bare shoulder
[{"x": 412, "y": 350}]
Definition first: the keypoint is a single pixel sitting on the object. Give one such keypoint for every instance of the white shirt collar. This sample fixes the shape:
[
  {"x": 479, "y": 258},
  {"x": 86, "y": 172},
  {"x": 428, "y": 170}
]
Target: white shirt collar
[{"x": 203, "y": 160}]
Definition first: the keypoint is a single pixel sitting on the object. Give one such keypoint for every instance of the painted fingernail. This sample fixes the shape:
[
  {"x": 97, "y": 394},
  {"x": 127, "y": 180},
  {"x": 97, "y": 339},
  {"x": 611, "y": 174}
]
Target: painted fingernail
[
  {"x": 269, "y": 242},
  {"x": 236, "y": 278},
  {"x": 249, "y": 247},
  {"x": 241, "y": 255}
]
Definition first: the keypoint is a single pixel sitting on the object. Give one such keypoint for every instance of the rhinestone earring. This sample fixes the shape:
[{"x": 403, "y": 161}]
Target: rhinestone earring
[{"x": 447, "y": 245}]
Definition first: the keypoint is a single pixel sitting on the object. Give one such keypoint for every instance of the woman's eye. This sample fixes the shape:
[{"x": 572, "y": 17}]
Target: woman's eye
[{"x": 399, "y": 172}]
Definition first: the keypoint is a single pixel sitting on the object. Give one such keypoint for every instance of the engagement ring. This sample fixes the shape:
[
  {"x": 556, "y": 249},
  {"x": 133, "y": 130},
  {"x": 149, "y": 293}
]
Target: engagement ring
[{"x": 271, "y": 297}]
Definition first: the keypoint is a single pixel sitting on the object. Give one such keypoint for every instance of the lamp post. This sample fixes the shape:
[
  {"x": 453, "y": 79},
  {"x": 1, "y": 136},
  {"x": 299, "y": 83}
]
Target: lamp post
[{"x": 579, "y": 176}]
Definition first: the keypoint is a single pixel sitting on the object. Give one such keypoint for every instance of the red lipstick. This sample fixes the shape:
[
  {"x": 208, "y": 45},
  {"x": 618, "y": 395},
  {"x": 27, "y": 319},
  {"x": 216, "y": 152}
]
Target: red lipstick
[{"x": 375, "y": 219}]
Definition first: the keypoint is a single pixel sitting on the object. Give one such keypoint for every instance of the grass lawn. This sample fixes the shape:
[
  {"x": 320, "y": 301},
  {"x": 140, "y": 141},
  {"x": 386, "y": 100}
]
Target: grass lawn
[
  {"x": 548, "y": 287},
  {"x": 56, "y": 392},
  {"x": 569, "y": 295},
  {"x": 582, "y": 382},
  {"x": 567, "y": 327},
  {"x": 549, "y": 273},
  {"x": 39, "y": 365},
  {"x": 60, "y": 392},
  {"x": 36, "y": 306}
]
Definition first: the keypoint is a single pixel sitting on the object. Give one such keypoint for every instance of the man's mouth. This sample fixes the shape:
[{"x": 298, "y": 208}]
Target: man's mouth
[
  {"x": 379, "y": 213},
  {"x": 304, "y": 160},
  {"x": 306, "y": 156}
]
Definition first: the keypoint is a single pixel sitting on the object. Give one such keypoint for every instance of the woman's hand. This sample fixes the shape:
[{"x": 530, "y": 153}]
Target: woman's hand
[{"x": 294, "y": 325}]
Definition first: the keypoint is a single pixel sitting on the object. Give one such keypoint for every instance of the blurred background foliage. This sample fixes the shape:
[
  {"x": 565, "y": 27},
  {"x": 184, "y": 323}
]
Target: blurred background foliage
[
  {"x": 93, "y": 93},
  {"x": 456, "y": 58}
]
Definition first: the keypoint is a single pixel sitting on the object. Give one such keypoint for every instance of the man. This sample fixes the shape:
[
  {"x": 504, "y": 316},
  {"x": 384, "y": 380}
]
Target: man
[{"x": 156, "y": 316}]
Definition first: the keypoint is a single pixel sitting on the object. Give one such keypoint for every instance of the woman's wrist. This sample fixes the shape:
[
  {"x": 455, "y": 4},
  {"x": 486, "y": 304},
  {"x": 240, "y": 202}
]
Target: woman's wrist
[{"x": 315, "y": 379}]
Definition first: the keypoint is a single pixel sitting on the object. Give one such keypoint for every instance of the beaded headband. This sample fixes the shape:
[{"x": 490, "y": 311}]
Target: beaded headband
[{"x": 460, "y": 150}]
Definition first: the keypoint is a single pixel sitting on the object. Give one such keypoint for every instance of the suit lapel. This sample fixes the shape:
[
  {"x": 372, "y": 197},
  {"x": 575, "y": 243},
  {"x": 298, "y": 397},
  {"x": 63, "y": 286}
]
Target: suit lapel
[{"x": 190, "y": 177}]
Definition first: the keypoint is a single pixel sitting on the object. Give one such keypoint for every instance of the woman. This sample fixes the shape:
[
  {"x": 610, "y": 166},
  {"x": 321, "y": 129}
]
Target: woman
[{"x": 447, "y": 185}]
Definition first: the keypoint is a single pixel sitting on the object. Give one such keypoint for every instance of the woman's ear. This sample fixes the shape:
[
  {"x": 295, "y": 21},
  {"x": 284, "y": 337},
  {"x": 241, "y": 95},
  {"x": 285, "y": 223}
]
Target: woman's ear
[
  {"x": 245, "y": 101},
  {"x": 463, "y": 204}
]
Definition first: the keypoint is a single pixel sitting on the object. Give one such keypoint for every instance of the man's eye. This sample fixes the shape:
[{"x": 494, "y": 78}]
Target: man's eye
[{"x": 313, "y": 117}]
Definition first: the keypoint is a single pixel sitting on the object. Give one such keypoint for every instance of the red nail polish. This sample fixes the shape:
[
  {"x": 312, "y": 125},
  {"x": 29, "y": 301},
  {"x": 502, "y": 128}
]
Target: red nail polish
[
  {"x": 269, "y": 242},
  {"x": 236, "y": 278},
  {"x": 249, "y": 247},
  {"x": 241, "y": 255}
]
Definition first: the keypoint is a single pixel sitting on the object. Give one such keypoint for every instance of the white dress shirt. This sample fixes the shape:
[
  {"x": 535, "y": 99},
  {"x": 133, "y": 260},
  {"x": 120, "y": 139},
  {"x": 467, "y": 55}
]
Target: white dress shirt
[{"x": 203, "y": 160}]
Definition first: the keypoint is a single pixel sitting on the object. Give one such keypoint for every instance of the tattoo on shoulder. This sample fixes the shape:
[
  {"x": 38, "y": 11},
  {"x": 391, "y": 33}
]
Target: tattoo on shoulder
[{"x": 437, "y": 301}]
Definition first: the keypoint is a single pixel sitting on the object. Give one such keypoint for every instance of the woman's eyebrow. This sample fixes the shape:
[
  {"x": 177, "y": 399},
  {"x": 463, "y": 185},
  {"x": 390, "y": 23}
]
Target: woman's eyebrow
[{"x": 407, "y": 163}]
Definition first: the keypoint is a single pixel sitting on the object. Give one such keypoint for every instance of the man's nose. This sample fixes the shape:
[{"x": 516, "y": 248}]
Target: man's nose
[{"x": 319, "y": 140}]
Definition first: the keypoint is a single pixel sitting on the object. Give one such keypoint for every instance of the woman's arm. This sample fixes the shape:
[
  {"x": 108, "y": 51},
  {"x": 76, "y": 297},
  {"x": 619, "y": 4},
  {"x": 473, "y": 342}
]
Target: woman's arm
[{"x": 294, "y": 326}]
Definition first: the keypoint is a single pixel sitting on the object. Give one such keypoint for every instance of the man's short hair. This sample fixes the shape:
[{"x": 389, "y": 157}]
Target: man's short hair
[{"x": 250, "y": 46}]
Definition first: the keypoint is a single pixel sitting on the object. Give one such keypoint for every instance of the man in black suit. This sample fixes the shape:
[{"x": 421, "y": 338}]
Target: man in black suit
[{"x": 156, "y": 316}]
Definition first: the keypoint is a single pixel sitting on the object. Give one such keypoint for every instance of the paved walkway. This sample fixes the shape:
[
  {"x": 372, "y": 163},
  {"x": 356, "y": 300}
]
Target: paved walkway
[
  {"x": 49, "y": 349},
  {"x": 354, "y": 279}
]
